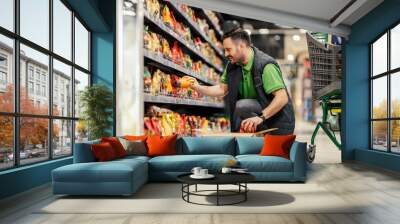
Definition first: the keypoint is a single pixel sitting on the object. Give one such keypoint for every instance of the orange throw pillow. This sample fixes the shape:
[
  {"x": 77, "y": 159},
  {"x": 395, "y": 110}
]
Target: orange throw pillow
[
  {"x": 161, "y": 145},
  {"x": 277, "y": 145},
  {"x": 135, "y": 138},
  {"x": 103, "y": 152},
  {"x": 116, "y": 145}
]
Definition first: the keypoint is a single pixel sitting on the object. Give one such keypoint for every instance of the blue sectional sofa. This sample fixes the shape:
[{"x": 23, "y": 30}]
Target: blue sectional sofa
[{"x": 125, "y": 176}]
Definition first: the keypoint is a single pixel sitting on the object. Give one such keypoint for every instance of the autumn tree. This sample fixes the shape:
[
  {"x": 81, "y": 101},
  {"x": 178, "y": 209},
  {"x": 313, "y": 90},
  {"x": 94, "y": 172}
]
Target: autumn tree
[{"x": 33, "y": 131}]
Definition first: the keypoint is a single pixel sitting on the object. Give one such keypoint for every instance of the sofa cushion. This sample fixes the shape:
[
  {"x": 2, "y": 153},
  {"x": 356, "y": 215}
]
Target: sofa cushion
[
  {"x": 112, "y": 171},
  {"x": 161, "y": 145},
  {"x": 207, "y": 145},
  {"x": 249, "y": 145},
  {"x": 277, "y": 145},
  {"x": 135, "y": 137},
  {"x": 116, "y": 145},
  {"x": 185, "y": 163},
  {"x": 103, "y": 152},
  {"x": 134, "y": 147},
  {"x": 257, "y": 163}
]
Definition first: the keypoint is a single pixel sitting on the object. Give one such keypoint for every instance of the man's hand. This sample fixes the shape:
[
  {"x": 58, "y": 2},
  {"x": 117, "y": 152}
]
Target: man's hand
[
  {"x": 250, "y": 124},
  {"x": 192, "y": 80}
]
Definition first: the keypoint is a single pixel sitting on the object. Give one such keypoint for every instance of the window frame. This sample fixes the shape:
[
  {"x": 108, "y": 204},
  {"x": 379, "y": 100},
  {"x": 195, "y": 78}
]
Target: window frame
[
  {"x": 388, "y": 74},
  {"x": 16, "y": 114}
]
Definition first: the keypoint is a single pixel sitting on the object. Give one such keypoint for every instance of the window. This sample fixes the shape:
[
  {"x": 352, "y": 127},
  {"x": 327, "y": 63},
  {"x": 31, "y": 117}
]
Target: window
[
  {"x": 385, "y": 96},
  {"x": 62, "y": 74},
  {"x": 45, "y": 131},
  {"x": 37, "y": 74},
  {"x": 6, "y": 72},
  {"x": 7, "y": 14},
  {"x": 62, "y": 137},
  {"x": 30, "y": 88},
  {"x": 35, "y": 21},
  {"x": 6, "y": 142},
  {"x": 3, "y": 61},
  {"x": 81, "y": 81},
  {"x": 30, "y": 72},
  {"x": 38, "y": 89},
  {"x": 44, "y": 91},
  {"x": 81, "y": 45},
  {"x": 3, "y": 78},
  {"x": 62, "y": 29}
]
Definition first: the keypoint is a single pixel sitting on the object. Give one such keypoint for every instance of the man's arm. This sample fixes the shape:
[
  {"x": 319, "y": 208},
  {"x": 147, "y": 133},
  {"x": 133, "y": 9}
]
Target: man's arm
[
  {"x": 215, "y": 91},
  {"x": 278, "y": 102}
]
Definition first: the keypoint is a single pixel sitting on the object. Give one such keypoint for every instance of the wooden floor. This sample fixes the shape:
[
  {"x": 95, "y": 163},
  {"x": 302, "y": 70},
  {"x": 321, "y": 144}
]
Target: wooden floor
[{"x": 379, "y": 190}]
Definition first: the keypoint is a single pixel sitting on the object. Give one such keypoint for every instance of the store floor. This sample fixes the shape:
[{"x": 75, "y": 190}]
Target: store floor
[
  {"x": 326, "y": 152},
  {"x": 376, "y": 191}
]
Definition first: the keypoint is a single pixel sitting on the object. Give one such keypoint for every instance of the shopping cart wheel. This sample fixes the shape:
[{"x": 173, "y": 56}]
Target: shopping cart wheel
[{"x": 310, "y": 153}]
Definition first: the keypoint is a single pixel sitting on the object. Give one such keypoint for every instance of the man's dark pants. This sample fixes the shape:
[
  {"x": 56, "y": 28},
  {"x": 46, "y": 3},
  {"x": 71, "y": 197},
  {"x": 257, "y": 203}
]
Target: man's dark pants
[{"x": 246, "y": 108}]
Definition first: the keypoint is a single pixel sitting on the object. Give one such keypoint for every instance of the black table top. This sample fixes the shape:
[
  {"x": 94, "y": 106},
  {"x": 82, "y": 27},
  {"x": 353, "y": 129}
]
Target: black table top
[{"x": 220, "y": 178}]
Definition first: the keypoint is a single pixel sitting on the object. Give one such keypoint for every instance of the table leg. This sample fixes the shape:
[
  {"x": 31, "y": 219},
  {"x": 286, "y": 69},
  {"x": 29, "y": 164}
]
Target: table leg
[
  {"x": 217, "y": 194},
  {"x": 245, "y": 193}
]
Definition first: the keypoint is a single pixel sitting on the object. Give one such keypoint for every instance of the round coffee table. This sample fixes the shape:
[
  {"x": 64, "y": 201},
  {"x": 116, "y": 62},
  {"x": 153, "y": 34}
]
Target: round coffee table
[{"x": 238, "y": 179}]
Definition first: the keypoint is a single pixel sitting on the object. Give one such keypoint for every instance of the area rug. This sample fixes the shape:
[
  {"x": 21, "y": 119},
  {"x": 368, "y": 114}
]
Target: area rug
[{"x": 166, "y": 198}]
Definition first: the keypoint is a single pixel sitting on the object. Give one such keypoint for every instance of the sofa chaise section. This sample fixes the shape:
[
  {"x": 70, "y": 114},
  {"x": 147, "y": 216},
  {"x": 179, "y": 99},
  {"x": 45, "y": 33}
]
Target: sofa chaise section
[{"x": 87, "y": 177}]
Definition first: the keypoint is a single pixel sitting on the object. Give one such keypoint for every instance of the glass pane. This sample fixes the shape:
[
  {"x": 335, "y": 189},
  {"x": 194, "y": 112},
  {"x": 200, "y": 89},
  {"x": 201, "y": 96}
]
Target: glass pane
[
  {"x": 379, "y": 135},
  {"x": 379, "y": 98},
  {"x": 7, "y": 14},
  {"x": 395, "y": 94},
  {"x": 395, "y": 47},
  {"x": 81, "y": 81},
  {"x": 6, "y": 74},
  {"x": 62, "y": 29},
  {"x": 33, "y": 139},
  {"x": 62, "y": 138},
  {"x": 379, "y": 55},
  {"x": 6, "y": 142},
  {"x": 34, "y": 79},
  {"x": 81, "y": 131},
  {"x": 35, "y": 21},
  {"x": 62, "y": 89},
  {"x": 81, "y": 45},
  {"x": 395, "y": 136}
]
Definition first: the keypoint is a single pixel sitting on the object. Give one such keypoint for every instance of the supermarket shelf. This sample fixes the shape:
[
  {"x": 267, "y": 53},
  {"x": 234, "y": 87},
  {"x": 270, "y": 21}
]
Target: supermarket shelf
[
  {"x": 174, "y": 100},
  {"x": 197, "y": 29},
  {"x": 219, "y": 32},
  {"x": 161, "y": 60},
  {"x": 189, "y": 46}
]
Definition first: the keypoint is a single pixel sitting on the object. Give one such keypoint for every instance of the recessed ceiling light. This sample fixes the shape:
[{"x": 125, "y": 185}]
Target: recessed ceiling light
[
  {"x": 263, "y": 31},
  {"x": 296, "y": 37},
  {"x": 290, "y": 57}
]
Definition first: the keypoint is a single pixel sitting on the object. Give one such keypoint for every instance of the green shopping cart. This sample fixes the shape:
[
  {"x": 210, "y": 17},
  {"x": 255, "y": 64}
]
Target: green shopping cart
[{"x": 326, "y": 86}]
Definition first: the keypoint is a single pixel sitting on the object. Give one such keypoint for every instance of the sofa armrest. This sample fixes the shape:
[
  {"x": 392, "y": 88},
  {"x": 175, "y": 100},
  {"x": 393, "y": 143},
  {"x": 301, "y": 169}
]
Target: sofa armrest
[
  {"x": 298, "y": 157},
  {"x": 83, "y": 152}
]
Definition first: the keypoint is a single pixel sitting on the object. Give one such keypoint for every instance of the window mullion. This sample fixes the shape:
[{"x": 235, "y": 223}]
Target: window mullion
[
  {"x": 73, "y": 82},
  {"x": 16, "y": 84},
  {"x": 50, "y": 81}
]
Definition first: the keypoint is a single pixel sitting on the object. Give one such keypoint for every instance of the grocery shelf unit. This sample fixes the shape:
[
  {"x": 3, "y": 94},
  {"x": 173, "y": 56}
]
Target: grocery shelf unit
[{"x": 155, "y": 60}]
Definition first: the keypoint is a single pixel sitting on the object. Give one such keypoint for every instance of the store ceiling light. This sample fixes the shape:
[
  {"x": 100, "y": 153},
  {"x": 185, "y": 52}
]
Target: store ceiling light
[
  {"x": 248, "y": 31},
  {"x": 263, "y": 31},
  {"x": 290, "y": 57},
  {"x": 277, "y": 37},
  {"x": 296, "y": 37}
]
